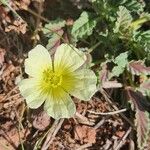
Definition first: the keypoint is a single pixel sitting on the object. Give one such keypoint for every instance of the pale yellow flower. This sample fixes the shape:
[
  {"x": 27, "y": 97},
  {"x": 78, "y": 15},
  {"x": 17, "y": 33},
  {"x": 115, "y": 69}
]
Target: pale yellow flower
[{"x": 53, "y": 81}]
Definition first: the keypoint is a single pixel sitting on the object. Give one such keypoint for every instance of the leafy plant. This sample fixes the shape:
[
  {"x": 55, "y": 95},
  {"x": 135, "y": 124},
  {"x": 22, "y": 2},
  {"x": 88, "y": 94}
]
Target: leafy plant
[{"x": 117, "y": 36}]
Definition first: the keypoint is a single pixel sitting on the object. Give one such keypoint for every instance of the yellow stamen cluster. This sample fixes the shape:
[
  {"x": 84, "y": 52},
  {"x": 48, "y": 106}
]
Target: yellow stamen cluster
[{"x": 51, "y": 78}]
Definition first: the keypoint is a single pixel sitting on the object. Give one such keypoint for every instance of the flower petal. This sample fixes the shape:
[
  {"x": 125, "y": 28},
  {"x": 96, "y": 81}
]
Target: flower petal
[
  {"x": 38, "y": 59},
  {"x": 60, "y": 105},
  {"x": 86, "y": 85},
  {"x": 29, "y": 89},
  {"x": 68, "y": 56}
]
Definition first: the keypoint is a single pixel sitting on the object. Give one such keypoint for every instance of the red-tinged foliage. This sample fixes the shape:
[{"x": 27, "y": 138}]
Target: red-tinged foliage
[
  {"x": 142, "y": 121},
  {"x": 138, "y": 68}
]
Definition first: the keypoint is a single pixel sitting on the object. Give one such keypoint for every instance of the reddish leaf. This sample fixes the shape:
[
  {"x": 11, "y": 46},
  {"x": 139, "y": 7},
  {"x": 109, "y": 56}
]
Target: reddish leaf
[
  {"x": 142, "y": 120},
  {"x": 145, "y": 87},
  {"x": 104, "y": 73},
  {"x": 138, "y": 68},
  {"x": 54, "y": 31},
  {"x": 54, "y": 42}
]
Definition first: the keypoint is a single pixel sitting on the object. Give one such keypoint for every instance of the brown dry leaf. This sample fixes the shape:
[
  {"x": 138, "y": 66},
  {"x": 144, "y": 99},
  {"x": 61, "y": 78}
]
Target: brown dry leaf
[
  {"x": 18, "y": 25},
  {"x": 5, "y": 18},
  {"x": 69, "y": 22},
  {"x": 8, "y": 70},
  {"x": 23, "y": 4},
  {"x": 104, "y": 73},
  {"x": 41, "y": 121},
  {"x": 9, "y": 136},
  {"x": 120, "y": 134},
  {"x": 85, "y": 134},
  {"x": 2, "y": 54}
]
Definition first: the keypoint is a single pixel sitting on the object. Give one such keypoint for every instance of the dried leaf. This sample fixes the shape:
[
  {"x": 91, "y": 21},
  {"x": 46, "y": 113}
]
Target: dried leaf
[
  {"x": 85, "y": 134},
  {"x": 9, "y": 136},
  {"x": 18, "y": 26},
  {"x": 104, "y": 73},
  {"x": 142, "y": 120},
  {"x": 41, "y": 120},
  {"x": 2, "y": 54},
  {"x": 23, "y": 4},
  {"x": 138, "y": 68}
]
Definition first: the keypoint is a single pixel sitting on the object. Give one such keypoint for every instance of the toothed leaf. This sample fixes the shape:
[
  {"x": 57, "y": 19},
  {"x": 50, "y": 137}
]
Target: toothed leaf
[
  {"x": 138, "y": 68},
  {"x": 83, "y": 27},
  {"x": 123, "y": 20}
]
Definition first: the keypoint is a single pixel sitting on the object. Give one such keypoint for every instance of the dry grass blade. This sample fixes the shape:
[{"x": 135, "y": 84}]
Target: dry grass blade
[
  {"x": 106, "y": 96},
  {"x": 82, "y": 147},
  {"x": 121, "y": 143},
  {"x": 51, "y": 135},
  {"x": 108, "y": 113}
]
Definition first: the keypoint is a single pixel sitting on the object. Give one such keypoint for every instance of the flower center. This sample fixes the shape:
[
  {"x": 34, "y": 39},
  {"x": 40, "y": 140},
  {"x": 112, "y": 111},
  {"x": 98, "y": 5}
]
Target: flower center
[{"x": 51, "y": 78}]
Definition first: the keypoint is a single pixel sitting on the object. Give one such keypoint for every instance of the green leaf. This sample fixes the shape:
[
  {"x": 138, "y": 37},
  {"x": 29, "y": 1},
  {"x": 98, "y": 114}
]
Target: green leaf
[
  {"x": 121, "y": 61},
  {"x": 145, "y": 17},
  {"x": 143, "y": 39},
  {"x": 134, "y": 5},
  {"x": 83, "y": 27},
  {"x": 53, "y": 27},
  {"x": 124, "y": 20},
  {"x": 4, "y": 2}
]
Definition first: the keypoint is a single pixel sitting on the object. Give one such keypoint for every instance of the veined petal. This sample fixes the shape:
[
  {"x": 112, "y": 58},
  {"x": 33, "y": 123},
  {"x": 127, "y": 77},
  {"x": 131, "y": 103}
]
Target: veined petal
[
  {"x": 38, "y": 59},
  {"x": 60, "y": 105},
  {"x": 29, "y": 89},
  {"x": 68, "y": 80},
  {"x": 67, "y": 56},
  {"x": 86, "y": 84},
  {"x": 35, "y": 100},
  {"x": 26, "y": 85}
]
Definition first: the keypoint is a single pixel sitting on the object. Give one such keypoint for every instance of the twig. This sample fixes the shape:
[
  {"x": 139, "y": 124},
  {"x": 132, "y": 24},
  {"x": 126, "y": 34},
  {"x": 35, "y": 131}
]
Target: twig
[
  {"x": 82, "y": 147},
  {"x": 10, "y": 97},
  {"x": 82, "y": 119},
  {"x": 121, "y": 143},
  {"x": 51, "y": 136},
  {"x": 106, "y": 96},
  {"x": 101, "y": 122},
  {"x": 20, "y": 126},
  {"x": 49, "y": 132},
  {"x": 108, "y": 113},
  {"x": 9, "y": 93},
  {"x": 37, "y": 22},
  {"x": 37, "y": 15}
]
